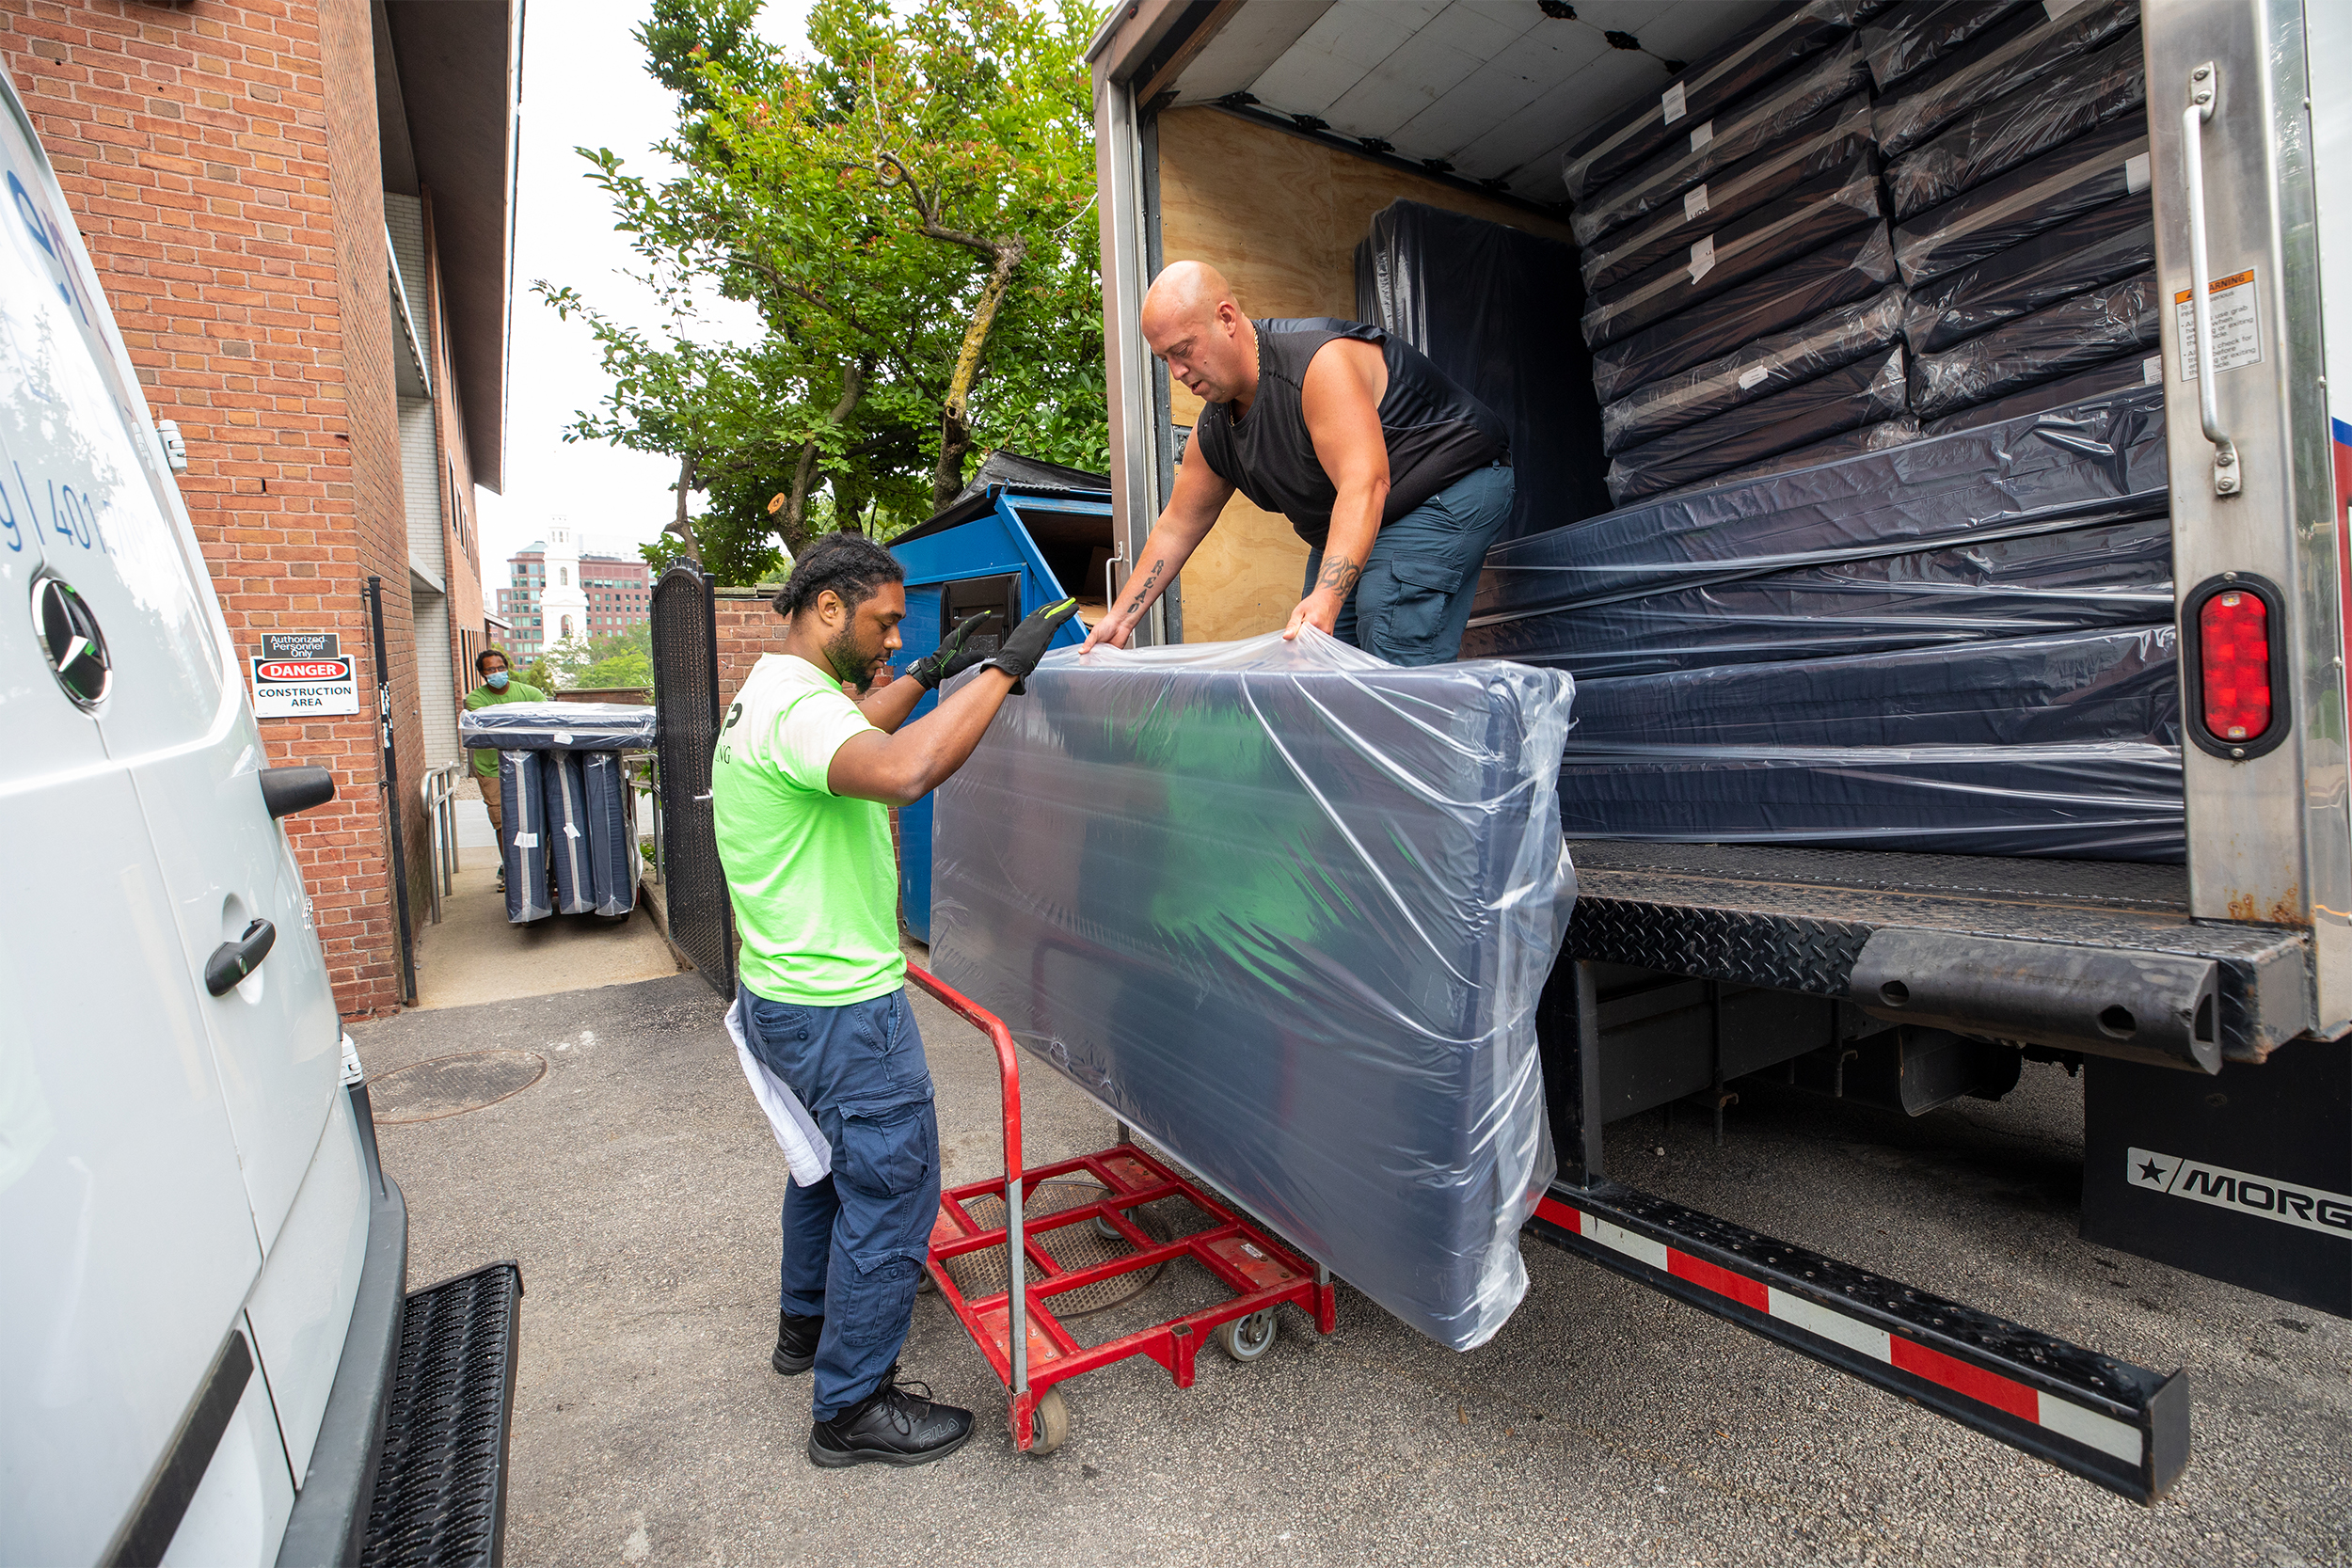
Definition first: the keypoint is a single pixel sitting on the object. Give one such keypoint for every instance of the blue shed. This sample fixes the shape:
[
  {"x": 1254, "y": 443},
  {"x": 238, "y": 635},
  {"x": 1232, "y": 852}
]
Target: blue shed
[{"x": 1020, "y": 537}]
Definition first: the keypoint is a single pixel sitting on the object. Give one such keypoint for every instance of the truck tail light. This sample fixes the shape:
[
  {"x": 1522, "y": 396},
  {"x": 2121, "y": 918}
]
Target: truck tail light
[{"x": 2234, "y": 648}]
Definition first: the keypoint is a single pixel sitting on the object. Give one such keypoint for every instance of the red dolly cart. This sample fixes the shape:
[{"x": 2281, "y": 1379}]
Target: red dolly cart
[{"x": 1016, "y": 1329}]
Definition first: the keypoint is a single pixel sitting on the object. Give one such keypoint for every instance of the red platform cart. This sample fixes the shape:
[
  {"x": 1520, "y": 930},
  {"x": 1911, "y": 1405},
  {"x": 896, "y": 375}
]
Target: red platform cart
[{"x": 1016, "y": 1329}]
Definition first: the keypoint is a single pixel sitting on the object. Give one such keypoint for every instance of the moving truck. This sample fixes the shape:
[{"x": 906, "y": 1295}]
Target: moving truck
[
  {"x": 2206, "y": 1005},
  {"x": 211, "y": 1351}
]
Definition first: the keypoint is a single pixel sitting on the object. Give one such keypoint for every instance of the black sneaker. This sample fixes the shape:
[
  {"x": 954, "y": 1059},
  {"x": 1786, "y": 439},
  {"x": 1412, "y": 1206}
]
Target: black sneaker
[
  {"x": 893, "y": 1425},
  {"x": 796, "y": 1344}
]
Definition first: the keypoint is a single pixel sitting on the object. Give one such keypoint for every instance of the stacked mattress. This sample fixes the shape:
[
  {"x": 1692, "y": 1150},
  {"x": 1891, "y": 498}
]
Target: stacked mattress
[
  {"x": 1286, "y": 909},
  {"x": 569, "y": 812}
]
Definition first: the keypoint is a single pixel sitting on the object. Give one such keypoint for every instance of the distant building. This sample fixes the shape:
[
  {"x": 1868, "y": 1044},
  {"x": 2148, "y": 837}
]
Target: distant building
[{"x": 555, "y": 590}]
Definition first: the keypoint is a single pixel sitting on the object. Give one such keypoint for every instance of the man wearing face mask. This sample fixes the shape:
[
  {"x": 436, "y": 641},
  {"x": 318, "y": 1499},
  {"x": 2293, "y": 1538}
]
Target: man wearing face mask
[
  {"x": 497, "y": 686},
  {"x": 801, "y": 781}
]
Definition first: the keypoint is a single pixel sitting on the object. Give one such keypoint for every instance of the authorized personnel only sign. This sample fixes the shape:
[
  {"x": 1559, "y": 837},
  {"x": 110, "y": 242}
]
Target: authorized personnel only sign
[
  {"x": 299, "y": 673},
  {"x": 2237, "y": 332}
]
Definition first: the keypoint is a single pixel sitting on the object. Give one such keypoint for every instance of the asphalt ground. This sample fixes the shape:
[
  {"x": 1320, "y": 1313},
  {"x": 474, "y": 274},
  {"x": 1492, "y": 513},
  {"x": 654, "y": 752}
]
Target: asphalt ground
[{"x": 637, "y": 1185}]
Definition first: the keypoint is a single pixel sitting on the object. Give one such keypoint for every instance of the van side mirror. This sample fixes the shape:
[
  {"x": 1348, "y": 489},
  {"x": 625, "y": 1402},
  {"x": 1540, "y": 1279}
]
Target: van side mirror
[{"x": 287, "y": 790}]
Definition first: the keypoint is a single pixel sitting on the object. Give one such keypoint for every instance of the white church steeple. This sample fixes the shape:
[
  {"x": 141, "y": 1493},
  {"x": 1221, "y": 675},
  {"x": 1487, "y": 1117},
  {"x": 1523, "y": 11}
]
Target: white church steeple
[{"x": 564, "y": 608}]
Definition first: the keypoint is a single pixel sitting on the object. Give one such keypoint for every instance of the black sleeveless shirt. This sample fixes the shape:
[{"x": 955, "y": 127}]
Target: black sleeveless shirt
[{"x": 1436, "y": 431}]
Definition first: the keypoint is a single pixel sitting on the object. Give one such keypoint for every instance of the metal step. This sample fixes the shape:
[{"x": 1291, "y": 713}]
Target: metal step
[{"x": 441, "y": 1488}]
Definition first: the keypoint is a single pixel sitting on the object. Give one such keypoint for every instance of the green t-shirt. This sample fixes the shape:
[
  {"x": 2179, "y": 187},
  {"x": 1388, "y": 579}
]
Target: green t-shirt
[
  {"x": 813, "y": 881},
  {"x": 486, "y": 762}
]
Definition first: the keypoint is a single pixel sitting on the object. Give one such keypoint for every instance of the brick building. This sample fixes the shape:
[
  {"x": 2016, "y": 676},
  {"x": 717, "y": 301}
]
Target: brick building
[
  {"x": 604, "y": 593},
  {"x": 300, "y": 210}
]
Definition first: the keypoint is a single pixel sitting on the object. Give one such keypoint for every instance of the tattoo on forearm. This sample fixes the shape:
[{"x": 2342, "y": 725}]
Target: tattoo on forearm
[
  {"x": 1339, "y": 574},
  {"x": 1143, "y": 590}
]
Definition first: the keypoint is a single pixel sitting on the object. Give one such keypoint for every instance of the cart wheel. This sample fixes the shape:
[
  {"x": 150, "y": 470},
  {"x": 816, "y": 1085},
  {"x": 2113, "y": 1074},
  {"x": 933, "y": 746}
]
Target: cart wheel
[
  {"x": 1246, "y": 1339},
  {"x": 1049, "y": 1423},
  {"x": 1108, "y": 1231}
]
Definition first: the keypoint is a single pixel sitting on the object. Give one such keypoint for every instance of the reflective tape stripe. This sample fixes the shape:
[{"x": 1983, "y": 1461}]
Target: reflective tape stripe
[{"x": 2091, "y": 1428}]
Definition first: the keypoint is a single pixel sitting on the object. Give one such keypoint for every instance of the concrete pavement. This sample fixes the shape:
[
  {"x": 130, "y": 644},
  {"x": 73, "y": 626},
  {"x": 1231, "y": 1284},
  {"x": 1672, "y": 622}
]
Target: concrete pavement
[{"x": 637, "y": 1187}]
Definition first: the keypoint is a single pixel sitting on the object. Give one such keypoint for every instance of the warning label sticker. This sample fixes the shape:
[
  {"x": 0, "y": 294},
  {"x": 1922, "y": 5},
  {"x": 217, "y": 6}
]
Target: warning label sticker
[
  {"x": 300, "y": 674},
  {"x": 2237, "y": 334}
]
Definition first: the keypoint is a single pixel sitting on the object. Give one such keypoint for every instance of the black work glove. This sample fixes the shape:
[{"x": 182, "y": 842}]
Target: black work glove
[
  {"x": 952, "y": 658},
  {"x": 1020, "y": 651}
]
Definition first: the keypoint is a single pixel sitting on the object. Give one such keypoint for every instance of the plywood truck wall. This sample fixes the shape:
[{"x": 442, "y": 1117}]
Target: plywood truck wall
[{"x": 1280, "y": 216}]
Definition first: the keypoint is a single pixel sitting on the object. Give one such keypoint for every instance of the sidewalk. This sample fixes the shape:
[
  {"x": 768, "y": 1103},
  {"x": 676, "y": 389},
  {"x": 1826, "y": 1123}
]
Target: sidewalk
[{"x": 474, "y": 955}]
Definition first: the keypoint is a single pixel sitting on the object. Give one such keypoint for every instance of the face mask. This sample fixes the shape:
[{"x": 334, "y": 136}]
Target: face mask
[{"x": 498, "y": 680}]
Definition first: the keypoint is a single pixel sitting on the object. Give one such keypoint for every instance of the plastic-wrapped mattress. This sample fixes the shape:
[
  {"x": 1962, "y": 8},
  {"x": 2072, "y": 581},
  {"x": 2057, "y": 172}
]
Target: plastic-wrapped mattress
[
  {"x": 2104, "y": 245},
  {"x": 2089, "y": 171},
  {"x": 566, "y": 797},
  {"x": 1841, "y": 272},
  {"x": 2021, "y": 49},
  {"x": 1833, "y": 338},
  {"x": 2072, "y": 335},
  {"x": 522, "y": 807},
  {"x": 1998, "y": 137},
  {"x": 558, "y": 726},
  {"x": 612, "y": 814},
  {"x": 1906, "y": 39},
  {"x": 1864, "y": 393},
  {"x": 2064, "y": 399},
  {"x": 1883, "y": 436},
  {"x": 1287, "y": 910},
  {"x": 1808, "y": 217}
]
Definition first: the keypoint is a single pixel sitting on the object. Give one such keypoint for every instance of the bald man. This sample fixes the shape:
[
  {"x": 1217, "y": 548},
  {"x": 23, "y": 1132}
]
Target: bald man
[{"x": 1396, "y": 477}]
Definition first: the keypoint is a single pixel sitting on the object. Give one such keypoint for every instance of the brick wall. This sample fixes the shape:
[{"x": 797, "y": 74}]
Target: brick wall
[
  {"x": 461, "y": 536},
  {"x": 232, "y": 207}
]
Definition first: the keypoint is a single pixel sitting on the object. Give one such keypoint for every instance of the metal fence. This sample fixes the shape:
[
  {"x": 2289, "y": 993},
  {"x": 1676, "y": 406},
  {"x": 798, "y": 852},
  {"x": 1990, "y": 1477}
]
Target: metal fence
[{"x": 686, "y": 699}]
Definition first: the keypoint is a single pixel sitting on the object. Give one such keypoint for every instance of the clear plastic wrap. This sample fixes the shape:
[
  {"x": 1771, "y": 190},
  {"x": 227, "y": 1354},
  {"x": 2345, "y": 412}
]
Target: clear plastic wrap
[
  {"x": 1882, "y": 436},
  {"x": 2064, "y": 400},
  {"x": 1762, "y": 119},
  {"x": 614, "y": 859},
  {"x": 566, "y": 797},
  {"x": 2071, "y": 578},
  {"x": 1994, "y": 137},
  {"x": 2104, "y": 245},
  {"x": 523, "y": 857},
  {"x": 1864, "y": 393},
  {"x": 1287, "y": 910},
  {"x": 1782, "y": 40},
  {"x": 1829, "y": 140},
  {"x": 1833, "y": 338},
  {"x": 2072, "y": 335},
  {"x": 2020, "y": 49},
  {"x": 1908, "y": 38},
  {"x": 1841, "y": 272},
  {"x": 1724, "y": 258},
  {"x": 2088, "y": 172},
  {"x": 558, "y": 726},
  {"x": 1495, "y": 308}
]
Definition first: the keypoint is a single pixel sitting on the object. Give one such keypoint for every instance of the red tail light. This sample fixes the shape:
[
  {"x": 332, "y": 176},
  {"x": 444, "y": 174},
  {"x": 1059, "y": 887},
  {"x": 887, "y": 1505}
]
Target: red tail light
[{"x": 2233, "y": 651}]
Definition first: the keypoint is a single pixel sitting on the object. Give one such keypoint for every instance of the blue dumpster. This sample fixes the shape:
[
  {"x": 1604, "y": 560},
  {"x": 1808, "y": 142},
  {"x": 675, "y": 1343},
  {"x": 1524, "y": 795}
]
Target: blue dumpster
[{"x": 1021, "y": 535}]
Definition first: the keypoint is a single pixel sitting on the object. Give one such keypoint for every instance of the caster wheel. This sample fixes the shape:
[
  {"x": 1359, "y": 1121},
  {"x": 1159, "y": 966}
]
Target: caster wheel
[
  {"x": 1049, "y": 1423},
  {"x": 1108, "y": 1231},
  {"x": 1247, "y": 1339},
  {"x": 925, "y": 1285}
]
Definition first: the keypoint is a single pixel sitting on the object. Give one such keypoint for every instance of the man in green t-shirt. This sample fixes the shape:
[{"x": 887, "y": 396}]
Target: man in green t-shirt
[
  {"x": 802, "y": 781},
  {"x": 497, "y": 686}
]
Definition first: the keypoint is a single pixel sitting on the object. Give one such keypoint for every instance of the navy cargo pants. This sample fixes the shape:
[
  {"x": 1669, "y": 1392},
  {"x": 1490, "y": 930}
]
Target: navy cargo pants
[
  {"x": 1413, "y": 602},
  {"x": 854, "y": 1242}
]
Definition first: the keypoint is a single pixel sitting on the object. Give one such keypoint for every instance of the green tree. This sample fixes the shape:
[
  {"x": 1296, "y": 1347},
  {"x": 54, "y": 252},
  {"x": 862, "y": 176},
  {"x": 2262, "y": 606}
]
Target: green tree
[
  {"x": 616, "y": 658},
  {"x": 909, "y": 208}
]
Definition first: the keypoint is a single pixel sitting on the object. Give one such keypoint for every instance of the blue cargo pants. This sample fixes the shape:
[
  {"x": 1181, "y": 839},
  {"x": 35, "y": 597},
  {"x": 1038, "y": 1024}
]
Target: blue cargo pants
[
  {"x": 854, "y": 1242},
  {"x": 1413, "y": 602}
]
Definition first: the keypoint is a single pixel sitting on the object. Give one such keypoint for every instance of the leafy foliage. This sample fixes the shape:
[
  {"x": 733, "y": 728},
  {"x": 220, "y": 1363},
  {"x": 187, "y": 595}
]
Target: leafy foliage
[
  {"x": 909, "y": 208},
  {"x": 619, "y": 658}
]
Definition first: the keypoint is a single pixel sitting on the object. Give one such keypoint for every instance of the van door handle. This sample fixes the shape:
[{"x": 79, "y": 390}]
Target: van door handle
[
  {"x": 232, "y": 961},
  {"x": 2205, "y": 85}
]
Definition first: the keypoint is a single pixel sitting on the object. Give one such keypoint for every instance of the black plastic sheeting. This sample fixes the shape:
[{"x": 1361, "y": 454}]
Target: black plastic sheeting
[
  {"x": 1998, "y": 137},
  {"x": 1495, "y": 308},
  {"x": 523, "y": 857},
  {"x": 1841, "y": 272},
  {"x": 2088, "y": 172},
  {"x": 1861, "y": 393},
  {"x": 566, "y": 797},
  {"x": 1910, "y": 38},
  {"x": 1830, "y": 141},
  {"x": 614, "y": 859},
  {"x": 2104, "y": 245},
  {"x": 2072, "y": 335},
  {"x": 1765, "y": 118},
  {"x": 2021, "y": 49},
  {"x": 1882, "y": 436},
  {"x": 1724, "y": 258},
  {"x": 1962, "y": 645},
  {"x": 2133, "y": 372},
  {"x": 1833, "y": 339},
  {"x": 1786, "y": 38}
]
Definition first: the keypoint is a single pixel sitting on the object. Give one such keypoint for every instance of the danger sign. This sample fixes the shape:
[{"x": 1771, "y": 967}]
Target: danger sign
[{"x": 299, "y": 675}]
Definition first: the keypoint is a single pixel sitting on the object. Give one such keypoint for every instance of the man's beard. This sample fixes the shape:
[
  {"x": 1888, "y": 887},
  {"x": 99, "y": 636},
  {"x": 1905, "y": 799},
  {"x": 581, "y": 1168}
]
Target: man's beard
[{"x": 849, "y": 665}]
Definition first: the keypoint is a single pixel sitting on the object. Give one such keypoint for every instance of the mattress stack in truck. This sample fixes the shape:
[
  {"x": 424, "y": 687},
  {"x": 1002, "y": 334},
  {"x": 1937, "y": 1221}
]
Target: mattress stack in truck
[{"x": 570, "y": 816}]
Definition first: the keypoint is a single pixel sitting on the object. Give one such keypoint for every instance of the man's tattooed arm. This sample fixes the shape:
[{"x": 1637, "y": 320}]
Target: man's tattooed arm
[
  {"x": 1142, "y": 592},
  {"x": 1340, "y": 575}
]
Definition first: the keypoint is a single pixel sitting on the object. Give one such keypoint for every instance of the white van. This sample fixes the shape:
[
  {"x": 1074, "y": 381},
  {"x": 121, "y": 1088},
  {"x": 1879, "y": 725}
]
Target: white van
[{"x": 203, "y": 1295}]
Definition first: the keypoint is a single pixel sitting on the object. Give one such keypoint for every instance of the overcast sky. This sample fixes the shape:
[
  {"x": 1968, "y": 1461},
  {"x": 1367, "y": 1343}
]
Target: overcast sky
[{"x": 584, "y": 84}]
